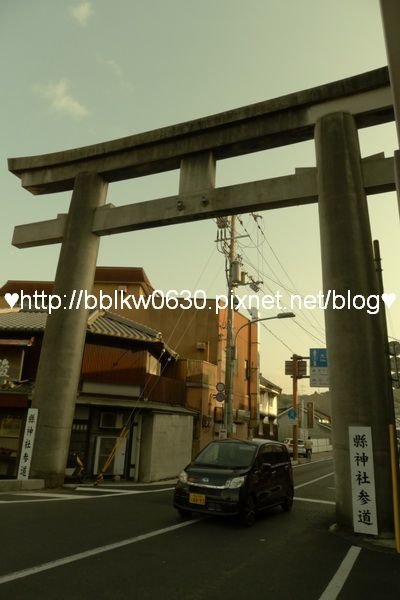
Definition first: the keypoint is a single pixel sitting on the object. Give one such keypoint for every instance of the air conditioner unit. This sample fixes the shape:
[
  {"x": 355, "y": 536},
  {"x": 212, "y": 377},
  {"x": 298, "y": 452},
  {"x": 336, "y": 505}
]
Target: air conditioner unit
[{"x": 109, "y": 420}]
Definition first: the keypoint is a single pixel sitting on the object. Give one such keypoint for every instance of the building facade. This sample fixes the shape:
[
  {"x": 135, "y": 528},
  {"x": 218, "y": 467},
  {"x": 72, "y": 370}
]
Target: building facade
[{"x": 169, "y": 399}]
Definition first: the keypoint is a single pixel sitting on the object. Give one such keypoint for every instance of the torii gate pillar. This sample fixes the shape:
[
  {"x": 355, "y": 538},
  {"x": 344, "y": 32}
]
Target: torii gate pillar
[
  {"x": 359, "y": 384},
  {"x": 64, "y": 339}
]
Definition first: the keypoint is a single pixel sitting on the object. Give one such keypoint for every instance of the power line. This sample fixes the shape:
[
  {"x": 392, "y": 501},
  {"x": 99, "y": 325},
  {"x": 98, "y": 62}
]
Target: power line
[
  {"x": 278, "y": 338},
  {"x": 301, "y": 315},
  {"x": 255, "y": 217}
]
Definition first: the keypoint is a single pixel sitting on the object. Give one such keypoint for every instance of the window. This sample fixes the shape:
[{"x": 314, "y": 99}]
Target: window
[{"x": 273, "y": 455}]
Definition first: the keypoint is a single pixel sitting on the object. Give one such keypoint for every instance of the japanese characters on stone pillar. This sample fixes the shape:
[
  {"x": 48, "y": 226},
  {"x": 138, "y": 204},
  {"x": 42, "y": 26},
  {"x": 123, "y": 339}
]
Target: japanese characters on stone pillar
[
  {"x": 27, "y": 444},
  {"x": 363, "y": 480}
]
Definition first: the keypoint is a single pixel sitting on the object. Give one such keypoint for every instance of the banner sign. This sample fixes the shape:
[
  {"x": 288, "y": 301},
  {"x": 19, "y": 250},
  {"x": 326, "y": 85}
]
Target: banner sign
[
  {"x": 27, "y": 444},
  {"x": 363, "y": 480}
]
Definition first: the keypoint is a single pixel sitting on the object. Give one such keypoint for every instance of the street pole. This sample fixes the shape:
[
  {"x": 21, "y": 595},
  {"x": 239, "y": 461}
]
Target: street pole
[
  {"x": 390, "y": 10},
  {"x": 284, "y": 315},
  {"x": 230, "y": 348},
  {"x": 295, "y": 427}
]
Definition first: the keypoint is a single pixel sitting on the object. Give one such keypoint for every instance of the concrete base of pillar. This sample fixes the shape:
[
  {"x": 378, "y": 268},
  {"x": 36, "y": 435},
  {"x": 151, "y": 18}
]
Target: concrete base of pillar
[
  {"x": 19, "y": 485},
  {"x": 380, "y": 543}
]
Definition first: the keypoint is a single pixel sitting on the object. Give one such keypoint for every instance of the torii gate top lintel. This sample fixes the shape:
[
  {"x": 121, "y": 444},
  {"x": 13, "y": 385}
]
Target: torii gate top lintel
[{"x": 272, "y": 123}]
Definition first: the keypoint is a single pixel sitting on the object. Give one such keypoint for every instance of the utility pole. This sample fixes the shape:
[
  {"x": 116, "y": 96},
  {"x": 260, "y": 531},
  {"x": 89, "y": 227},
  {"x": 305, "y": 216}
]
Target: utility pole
[
  {"x": 295, "y": 357},
  {"x": 297, "y": 373},
  {"x": 230, "y": 348}
]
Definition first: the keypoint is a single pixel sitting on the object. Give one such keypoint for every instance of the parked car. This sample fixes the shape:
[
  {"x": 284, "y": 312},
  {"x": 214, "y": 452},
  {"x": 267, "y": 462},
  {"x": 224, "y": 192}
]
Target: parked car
[
  {"x": 235, "y": 477},
  {"x": 301, "y": 450}
]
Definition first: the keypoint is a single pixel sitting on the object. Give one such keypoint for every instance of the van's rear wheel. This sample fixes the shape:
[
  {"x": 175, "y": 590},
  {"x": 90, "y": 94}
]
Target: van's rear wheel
[
  {"x": 287, "y": 504},
  {"x": 248, "y": 514}
]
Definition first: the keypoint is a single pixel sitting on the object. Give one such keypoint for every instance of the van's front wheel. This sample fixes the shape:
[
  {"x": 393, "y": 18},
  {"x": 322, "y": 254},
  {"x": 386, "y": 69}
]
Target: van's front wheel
[{"x": 248, "y": 514}]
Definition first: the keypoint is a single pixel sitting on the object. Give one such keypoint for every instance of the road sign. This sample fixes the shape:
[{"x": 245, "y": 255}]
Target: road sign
[
  {"x": 220, "y": 397},
  {"x": 220, "y": 386},
  {"x": 288, "y": 367},
  {"x": 319, "y": 367},
  {"x": 301, "y": 367},
  {"x": 318, "y": 357},
  {"x": 292, "y": 414}
]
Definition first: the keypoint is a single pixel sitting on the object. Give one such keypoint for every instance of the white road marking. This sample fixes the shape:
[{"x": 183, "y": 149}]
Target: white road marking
[
  {"x": 312, "y": 462},
  {"x": 338, "y": 580},
  {"x": 106, "y": 493},
  {"x": 120, "y": 491},
  {"x": 312, "y": 500},
  {"x": 45, "y": 495},
  {"x": 87, "y": 488},
  {"x": 296, "y": 487},
  {"x": 88, "y": 553},
  {"x": 59, "y": 497}
]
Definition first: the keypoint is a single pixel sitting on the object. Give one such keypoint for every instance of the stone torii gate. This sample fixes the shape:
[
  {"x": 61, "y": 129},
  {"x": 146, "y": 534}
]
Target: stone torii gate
[{"x": 359, "y": 381}]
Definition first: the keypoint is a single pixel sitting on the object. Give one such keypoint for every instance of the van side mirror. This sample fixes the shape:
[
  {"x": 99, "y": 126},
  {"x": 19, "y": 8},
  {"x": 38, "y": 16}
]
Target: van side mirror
[{"x": 266, "y": 467}]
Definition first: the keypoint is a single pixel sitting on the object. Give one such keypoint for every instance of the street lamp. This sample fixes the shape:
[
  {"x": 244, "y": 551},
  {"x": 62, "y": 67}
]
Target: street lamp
[
  {"x": 284, "y": 315},
  {"x": 228, "y": 420}
]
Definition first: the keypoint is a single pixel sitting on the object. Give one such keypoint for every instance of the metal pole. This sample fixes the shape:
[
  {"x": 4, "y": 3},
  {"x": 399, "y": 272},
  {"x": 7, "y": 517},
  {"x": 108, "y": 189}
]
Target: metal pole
[
  {"x": 230, "y": 347},
  {"x": 390, "y": 10},
  {"x": 230, "y": 357},
  {"x": 295, "y": 426},
  {"x": 395, "y": 488}
]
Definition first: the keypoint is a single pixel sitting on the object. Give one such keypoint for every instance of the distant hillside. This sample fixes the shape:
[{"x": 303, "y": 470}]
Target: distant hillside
[{"x": 322, "y": 401}]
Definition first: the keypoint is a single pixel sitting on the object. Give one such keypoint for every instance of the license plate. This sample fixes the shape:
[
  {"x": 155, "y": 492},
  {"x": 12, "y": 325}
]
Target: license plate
[{"x": 197, "y": 499}]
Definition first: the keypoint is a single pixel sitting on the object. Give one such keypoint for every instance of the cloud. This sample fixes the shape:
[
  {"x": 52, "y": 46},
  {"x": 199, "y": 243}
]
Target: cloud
[
  {"x": 82, "y": 12},
  {"x": 119, "y": 74},
  {"x": 116, "y": 69},
  {"x": 61, "y": 100}
]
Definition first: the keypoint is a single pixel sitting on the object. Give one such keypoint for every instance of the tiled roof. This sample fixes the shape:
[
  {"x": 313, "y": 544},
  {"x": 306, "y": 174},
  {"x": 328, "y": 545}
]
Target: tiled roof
[
  {"x": 21, "y": 320},
  {"x": 106, "y": 323},
  {"x": 116, "y": 275},
  {"x": 101, "y": 323}
]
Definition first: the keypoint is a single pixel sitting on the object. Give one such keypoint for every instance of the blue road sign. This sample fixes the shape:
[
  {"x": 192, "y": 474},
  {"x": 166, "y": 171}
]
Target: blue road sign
[
  {"x": 292, "y": 414},
  {"x": 318, "y": 357}
]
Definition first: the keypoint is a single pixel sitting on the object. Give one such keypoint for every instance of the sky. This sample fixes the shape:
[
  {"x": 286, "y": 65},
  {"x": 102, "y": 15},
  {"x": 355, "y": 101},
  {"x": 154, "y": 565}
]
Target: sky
[{"x": 81, "y": 72}]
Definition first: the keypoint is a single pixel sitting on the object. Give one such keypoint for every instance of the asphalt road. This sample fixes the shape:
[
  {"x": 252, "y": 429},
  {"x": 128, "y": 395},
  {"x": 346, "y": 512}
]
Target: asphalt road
[{"x": 120, "y": 540}]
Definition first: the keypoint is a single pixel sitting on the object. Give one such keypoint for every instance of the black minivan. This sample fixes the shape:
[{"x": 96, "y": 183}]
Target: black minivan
[{"x": 235, "y": 477}]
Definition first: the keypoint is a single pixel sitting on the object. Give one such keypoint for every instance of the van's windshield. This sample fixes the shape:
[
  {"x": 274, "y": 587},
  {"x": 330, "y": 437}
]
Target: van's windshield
[{"x": 227, "y": 454}]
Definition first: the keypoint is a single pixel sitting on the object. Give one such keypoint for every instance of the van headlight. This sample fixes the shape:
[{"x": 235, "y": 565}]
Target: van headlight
[
  {"x": 235, "y": 482},
  {"x": 182, "y": 477}
]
